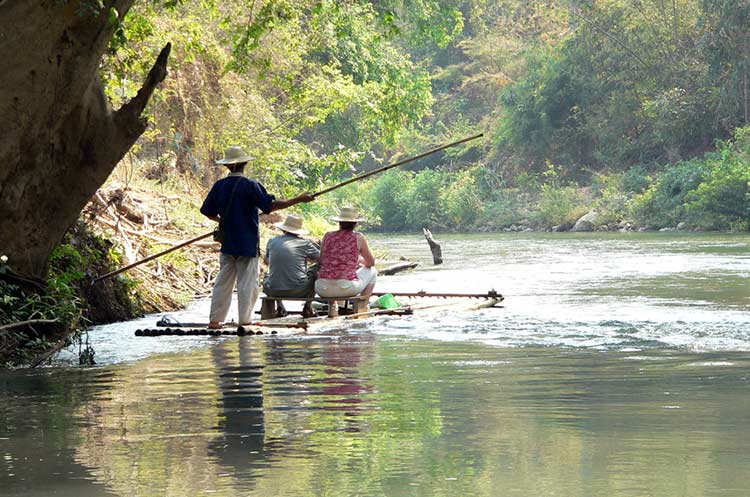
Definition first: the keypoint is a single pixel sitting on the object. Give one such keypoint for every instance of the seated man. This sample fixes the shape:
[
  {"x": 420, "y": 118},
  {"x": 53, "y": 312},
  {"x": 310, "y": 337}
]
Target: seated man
[{"x": 288, "y": 273}]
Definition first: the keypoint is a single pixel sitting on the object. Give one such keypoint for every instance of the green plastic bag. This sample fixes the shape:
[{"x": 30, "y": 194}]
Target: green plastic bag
[{"x": 387, "y": 301}]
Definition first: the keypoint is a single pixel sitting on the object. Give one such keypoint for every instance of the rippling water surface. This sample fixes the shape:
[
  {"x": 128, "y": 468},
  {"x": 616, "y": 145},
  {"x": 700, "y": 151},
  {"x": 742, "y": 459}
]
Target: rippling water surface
[{"x": 620, "y": 365}]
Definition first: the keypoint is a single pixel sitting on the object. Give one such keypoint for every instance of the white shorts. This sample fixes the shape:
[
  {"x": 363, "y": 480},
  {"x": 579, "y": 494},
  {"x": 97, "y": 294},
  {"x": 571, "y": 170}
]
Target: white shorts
[{"x": 347, "y": 288}]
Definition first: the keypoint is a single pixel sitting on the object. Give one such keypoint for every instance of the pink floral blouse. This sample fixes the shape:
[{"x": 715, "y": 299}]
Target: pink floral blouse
[{"x": 339, "y": 256}]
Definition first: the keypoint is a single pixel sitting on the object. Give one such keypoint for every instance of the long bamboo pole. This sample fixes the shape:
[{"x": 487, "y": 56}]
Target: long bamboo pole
[
  {"x": 329, "y": 189},
  {"x": 151, "y": 257},
  {"x": 396, "y": 164},
  {"x": 492, "y": 294}
]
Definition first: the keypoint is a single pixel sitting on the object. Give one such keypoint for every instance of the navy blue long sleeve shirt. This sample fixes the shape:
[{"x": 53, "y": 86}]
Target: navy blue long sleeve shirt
[{"x": 241, "y": 233}]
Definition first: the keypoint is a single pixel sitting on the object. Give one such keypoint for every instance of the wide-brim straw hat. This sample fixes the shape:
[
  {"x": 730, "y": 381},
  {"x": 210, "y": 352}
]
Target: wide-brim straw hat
[
  {"x": 348, "y": 215},
  {"x": 234, "y": 155},
  {"x": 292, "y": 224}
]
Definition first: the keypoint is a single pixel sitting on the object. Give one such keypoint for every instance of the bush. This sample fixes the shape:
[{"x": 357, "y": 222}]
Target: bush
[
  {"x": 722, "y": 201},
  {"x": 635, "y": 180},
  {"x": 462, "y": 204},
  {"x": 663, "y": 203},
  {"x": 559, "y": 205},
  {"x": 612, "y": 200},
  {"x": 387, "y": 198}
]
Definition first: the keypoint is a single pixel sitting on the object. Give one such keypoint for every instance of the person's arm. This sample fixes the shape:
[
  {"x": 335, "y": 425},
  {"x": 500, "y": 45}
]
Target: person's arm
[
  {"x": 265, "y": 255},
  {"x": 209, "y": 207},
  {"x": 312, "y": 252},
  {"x": 368, "y": 260},
  {"x": 279, "y": 204}
]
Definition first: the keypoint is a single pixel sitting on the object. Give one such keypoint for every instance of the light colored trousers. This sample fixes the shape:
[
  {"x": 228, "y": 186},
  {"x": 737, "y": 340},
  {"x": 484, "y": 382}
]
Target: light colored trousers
[
  {"x": 347, "y": 288},
  {"x": 243, "y": 270}
]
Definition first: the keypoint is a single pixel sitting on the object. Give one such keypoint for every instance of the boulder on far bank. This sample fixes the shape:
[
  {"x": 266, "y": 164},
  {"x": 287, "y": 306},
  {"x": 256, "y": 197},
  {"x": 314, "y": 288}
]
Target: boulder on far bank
[{"x": 588, "y": 222}]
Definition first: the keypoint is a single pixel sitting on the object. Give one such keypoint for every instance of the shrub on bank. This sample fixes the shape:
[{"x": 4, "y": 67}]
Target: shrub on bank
[
  {"x": 559, "y": 206},
  {"x": 663, "y": 203},
  {"x": 707, "y": 193},
  {"x": 59, "y": 308}
]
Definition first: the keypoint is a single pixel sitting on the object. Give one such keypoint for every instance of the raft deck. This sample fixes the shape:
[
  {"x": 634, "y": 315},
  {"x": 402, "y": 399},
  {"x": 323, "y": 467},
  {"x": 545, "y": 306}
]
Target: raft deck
[{"x": 420, "y": 303}]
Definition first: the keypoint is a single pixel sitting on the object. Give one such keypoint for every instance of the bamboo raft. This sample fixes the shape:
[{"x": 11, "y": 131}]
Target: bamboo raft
[{"x": 422, "y": 303}]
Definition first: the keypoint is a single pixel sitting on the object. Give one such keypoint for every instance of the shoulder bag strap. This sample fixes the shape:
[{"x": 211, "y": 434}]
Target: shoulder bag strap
[{"x": 231, "y": 197}]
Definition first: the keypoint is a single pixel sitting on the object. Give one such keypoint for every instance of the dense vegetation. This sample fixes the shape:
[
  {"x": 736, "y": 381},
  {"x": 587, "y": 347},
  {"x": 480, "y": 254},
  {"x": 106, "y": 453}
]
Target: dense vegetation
[{"x": 629, "y": 108}]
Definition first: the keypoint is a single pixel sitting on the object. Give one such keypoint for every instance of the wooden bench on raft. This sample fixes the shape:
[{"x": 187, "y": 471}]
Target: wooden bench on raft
[{"x": 268, "y": 304}]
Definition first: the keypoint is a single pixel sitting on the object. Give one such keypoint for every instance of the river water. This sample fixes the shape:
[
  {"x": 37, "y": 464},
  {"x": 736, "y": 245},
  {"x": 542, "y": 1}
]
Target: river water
[{"x": 620, "y": 366}]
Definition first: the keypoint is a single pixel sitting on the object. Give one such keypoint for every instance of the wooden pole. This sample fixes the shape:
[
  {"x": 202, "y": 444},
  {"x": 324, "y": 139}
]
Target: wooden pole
[
  {"x": 151, "y": 257},
  {"x": 396, "y": 164},
  {"x": 492, "y": 294},
  {"x": 329, "y": 189}
]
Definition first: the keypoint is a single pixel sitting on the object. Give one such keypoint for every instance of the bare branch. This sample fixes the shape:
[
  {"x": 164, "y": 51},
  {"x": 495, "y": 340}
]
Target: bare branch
[
  {"x": 25, "y": 323},
  {"x": 129, "y": 115}
]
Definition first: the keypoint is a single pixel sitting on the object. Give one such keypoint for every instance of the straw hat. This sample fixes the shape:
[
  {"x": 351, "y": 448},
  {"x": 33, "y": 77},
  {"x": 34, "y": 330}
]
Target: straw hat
[
  {"x": 234, "y": 155},
  {"x": 292, "y": 224},
  {"x": 348, "y": 215}
]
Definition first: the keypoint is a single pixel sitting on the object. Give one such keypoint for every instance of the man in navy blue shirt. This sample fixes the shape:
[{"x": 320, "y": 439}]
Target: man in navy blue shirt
[{"x": 236, "y": 200}]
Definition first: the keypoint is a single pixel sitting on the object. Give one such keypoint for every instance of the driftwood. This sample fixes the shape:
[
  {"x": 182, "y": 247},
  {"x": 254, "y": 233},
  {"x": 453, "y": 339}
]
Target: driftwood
[
  {"x": 437, "y": 253},
  {"x": 397, "y": 268}
]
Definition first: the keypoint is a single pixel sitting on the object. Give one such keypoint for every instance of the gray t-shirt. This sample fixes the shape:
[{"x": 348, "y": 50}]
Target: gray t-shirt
[{"x": 287, "y": 261}]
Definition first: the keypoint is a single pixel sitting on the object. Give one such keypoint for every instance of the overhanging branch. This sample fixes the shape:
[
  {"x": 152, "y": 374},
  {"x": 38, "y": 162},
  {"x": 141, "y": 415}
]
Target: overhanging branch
[{"x": 128, "y": 117}]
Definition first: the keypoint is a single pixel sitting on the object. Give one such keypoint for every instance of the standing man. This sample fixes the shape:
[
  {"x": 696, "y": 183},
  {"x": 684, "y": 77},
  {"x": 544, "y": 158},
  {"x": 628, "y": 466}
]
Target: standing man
[
  {"x": 234, "y": 202},
  {"x": 288, "y": 271}
]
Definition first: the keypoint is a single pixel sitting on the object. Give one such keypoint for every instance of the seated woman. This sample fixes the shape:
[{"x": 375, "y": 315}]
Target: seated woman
[{"x": 347, "y": 267}]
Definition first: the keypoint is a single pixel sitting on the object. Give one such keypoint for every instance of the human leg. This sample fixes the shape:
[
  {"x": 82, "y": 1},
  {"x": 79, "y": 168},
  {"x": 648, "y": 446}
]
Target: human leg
[
  {"x": 221, "y": 297},
  {"x": 368, "y": 276},
  {"x": 247, "y": 287}
]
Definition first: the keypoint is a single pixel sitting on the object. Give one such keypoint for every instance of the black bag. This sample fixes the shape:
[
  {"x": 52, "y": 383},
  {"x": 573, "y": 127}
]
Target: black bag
[{"x": 219, "y": 232}]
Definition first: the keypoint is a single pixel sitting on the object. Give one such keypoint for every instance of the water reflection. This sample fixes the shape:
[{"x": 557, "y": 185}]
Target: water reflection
[
  {"x": 239, "y": 448},
  {"x": 357, "y": 414}
]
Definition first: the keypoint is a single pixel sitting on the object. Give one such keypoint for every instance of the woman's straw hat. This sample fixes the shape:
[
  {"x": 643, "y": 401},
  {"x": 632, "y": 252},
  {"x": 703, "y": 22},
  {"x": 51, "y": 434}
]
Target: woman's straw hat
[
  {"x": 234, "y": 155},
  {"x": 348, "y": 215},
  {"x": 292, "y": 224}
]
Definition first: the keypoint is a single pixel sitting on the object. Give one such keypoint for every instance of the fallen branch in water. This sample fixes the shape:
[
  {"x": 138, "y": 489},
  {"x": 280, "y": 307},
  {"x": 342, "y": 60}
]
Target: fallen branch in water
[
  {"x": 49, "y": 353},
  {"x": 437, "y": 253},
  {"x": 396, "y": 268}
]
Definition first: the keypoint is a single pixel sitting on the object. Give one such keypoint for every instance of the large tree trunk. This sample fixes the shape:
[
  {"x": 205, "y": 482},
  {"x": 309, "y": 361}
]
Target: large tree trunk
[{"x": 61, "y": 139}]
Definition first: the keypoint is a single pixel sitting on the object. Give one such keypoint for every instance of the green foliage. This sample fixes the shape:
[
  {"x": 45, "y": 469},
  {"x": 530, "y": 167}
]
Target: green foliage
[
  {"x": 722, "y": 200},
  {"x": 558, "y": 205},
  {"x": 424, "y": 207},
  {"x": 460, "y": 200},
  {"x": 613, "y": 195},
  {"x": 663, "y": 203},
  {"x": 706, "y": 194},
  {"x": 635, "y": 180},
  {"x": 318, "y": 91},
  {"x": 388, "y": 198}
]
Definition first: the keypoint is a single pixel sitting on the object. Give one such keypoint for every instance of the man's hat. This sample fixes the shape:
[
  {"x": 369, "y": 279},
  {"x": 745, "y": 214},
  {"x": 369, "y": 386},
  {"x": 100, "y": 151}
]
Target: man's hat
[
  {"x": 292, "y": 224},
  {"x": 234, "y": 155}
]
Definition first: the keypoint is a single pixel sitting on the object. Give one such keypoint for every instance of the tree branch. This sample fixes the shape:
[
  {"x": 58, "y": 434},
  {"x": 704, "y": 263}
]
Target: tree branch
[
  {"x": 25, "y": 323},
  {"x": 129, "y": 115}
]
